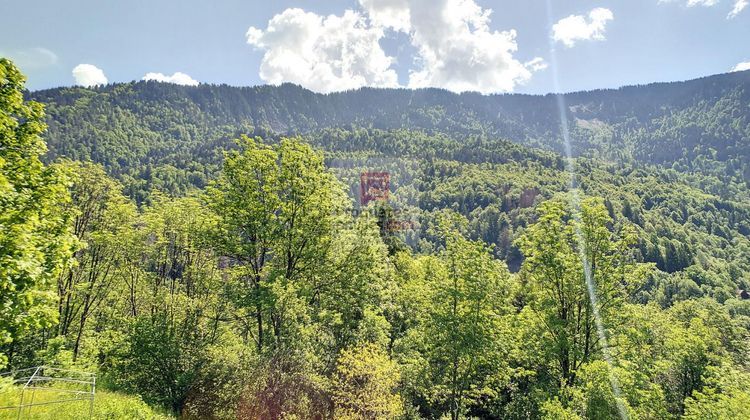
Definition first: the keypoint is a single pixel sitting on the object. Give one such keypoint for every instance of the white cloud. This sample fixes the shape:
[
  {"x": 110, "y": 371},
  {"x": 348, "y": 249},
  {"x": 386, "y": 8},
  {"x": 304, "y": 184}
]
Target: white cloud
[
  {"x": 536, "y": 64},
  {"x": 455, "y": 48},
  {"x": 576, "y": 28},
  {"x": 177, "y": 78},
  {"x": 739, "y": 5},
  {"x": 89, "y": 75},
  {"x": 704, "y": 3},
  {"x": 693, "y": 3},
  {"x": 393, "y": 14},
  {"x": 31, "y": 58},
  {"x": 742, "y": 66},
  {"x": 323, "y": 53},
  {"x": 458, "y": 51}
]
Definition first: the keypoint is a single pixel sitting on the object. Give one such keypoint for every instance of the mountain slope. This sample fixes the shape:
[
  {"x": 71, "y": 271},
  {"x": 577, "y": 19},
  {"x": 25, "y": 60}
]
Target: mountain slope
[
  {"x": 172, "y": 133},
  {"x": 669, "y": 157}
]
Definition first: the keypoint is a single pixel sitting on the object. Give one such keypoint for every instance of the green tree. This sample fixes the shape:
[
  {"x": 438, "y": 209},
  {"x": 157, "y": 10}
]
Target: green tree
[
  {"x": 35, "y": 242},
  {"x": 176, "y": 314},
  {"x": 463, "y": 331},
  {"x": 726, "y": 396},
  {"x": 307, "y": 277},
  {"x": 364, "y": 386},
  {"x": 245, "y": 199},
  {"x": 102, "y": 218},
  {"x": 554, "y": 248},
  {"x": 276, "y": 207}
]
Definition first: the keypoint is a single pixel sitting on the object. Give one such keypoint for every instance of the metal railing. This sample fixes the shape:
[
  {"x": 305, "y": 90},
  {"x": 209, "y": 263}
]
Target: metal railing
[{"x": 63, "y": 385}]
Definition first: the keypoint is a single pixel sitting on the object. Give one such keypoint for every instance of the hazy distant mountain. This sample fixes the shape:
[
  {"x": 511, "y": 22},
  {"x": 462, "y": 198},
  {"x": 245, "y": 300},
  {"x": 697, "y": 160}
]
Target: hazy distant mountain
[{"x": 660, "y": 122}]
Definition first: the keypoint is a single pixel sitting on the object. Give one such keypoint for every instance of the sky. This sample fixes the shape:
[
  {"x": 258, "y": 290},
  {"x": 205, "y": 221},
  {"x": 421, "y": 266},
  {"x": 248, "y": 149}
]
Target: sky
[{"x": 460, "y": 45}]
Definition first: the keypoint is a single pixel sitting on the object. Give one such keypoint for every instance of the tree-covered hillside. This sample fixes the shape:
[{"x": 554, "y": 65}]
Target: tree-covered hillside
[
  {"x": 202, "y": 249},
  {"x": 670, "y": 157},
  {"x": 146, "y": 130}
]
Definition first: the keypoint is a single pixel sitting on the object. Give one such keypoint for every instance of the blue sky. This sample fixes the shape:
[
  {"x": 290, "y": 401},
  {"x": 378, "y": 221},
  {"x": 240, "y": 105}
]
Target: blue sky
[{"x": 489, "y": 46}]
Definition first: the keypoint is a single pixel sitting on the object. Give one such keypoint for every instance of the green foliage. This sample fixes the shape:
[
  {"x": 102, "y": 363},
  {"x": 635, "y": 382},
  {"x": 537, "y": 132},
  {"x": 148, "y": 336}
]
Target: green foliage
[
  {"x": 107, "y": 405},
  {"x": 578, "y": 270},
  {"x": 241, "y": 285},
  {"x": 364, "y": 385},
  {"x": 175, "y": 300},
  {"x": 455, "y": 354},
  {"x": 102, "y": 216},
  {"x": 307, "y": 278},
  {"x": 727, "y": 397},
  {"x": 675, "y": 149},
  {"x": 35, "y": 242},
  {"x": 275, "y": 208}
]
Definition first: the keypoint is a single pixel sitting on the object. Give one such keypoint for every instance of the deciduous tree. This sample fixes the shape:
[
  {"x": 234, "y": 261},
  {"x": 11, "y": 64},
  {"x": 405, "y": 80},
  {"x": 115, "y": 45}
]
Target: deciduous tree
[{"x": 35, "y": 241}]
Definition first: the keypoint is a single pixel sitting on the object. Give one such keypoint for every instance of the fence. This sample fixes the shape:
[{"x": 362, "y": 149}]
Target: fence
[{"x": 55, "y": 386}]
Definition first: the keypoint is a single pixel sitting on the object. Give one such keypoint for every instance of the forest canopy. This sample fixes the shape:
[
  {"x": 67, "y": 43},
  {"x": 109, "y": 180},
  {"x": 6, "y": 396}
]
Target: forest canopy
[{"x": 204, "y": 250}]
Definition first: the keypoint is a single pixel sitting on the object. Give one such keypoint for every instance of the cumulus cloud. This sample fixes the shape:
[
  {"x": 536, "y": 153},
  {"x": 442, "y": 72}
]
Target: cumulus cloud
[
  {"x": 576, "y": 28},
  {"x": 89, "y": 75},
  {"x": 458, "y": 51},
  {"x": 739, "y": 5},
  {"x": 31, "y": 58},
  {"x": 393, "y": 14},
  {"x": 745, "y": 65},
  {"x": 177, "y": 78},
  {"x": 323, "y": 53},
  {"x": 455, "y": 48}
]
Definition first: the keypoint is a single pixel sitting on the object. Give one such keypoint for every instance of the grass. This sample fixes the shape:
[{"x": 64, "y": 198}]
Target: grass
[{"x": 107, "y": 405}]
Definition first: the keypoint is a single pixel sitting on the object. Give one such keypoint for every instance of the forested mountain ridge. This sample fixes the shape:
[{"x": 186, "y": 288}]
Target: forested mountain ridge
[
  {"x": 682, "y": 119},
  {"x": 478, "y": 154},
  {"x": 216, "y": 275},
  {"x": 670, "y": 157}
]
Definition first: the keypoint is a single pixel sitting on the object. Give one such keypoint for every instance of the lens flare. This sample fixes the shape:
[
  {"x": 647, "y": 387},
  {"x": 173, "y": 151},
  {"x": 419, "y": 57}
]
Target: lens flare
[{"x": 575, "y": 206}]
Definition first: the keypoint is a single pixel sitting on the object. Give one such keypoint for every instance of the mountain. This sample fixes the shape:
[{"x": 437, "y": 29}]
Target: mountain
[
  {"x": 672, "y": 157},
  {"x": 215, "y": 275},
  {"x": 661, "y": 122}
]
